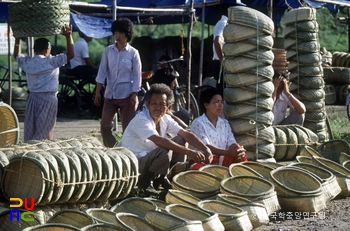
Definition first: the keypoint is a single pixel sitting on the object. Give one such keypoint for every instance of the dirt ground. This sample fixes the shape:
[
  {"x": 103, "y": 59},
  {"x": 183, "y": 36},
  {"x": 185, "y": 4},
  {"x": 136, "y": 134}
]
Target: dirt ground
[{"x": 335, "y": 217}]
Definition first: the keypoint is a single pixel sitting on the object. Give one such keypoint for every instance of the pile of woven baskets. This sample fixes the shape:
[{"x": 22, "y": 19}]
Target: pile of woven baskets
[
  {"x": 9, "y": 127},
  {"x": 19, "y": 99},
  {"x": 337, "y": 84},
  {"x": 34, "y": 18},
  {"x": 75, "y": 170},
  {"x": 290, "y": 140},
  {"x": 247, "y": 73},
  {"x": 305, "y": 66}
]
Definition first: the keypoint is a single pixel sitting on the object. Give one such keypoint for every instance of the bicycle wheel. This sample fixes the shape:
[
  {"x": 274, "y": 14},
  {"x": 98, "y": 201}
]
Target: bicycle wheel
[
  {"x": 180, "y": 103},
  {"x": 87, "y": 93},
  {"x": 329, "y": 129},
  {"x": 69, "y": 101}
]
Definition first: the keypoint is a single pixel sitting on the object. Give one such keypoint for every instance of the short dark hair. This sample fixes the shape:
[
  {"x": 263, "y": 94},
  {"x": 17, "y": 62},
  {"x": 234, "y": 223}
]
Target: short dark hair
[
  {"x": 164, "y": 75},
  {"x": 160, "y": 88},
  {"x": 164, "y": 57},
  {"x": 123, "y": 25},
  {"x": 41, "y": 44},
  {"x": 206, "y": 96}
]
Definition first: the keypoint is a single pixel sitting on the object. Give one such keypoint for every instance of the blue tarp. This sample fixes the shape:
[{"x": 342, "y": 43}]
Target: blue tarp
[{"x": 91, "y": 26}]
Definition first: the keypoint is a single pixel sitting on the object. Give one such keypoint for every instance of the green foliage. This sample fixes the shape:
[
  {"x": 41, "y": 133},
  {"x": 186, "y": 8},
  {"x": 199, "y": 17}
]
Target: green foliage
[{"x": 340, "y": 128}]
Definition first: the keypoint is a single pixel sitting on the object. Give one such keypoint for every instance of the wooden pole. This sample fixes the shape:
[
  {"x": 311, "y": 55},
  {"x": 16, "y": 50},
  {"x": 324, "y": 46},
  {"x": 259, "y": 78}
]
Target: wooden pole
[
  {"x": 189, "y": 56},
  {"x": 200, "y": 74},
  {"x": 9, "y": 57}
]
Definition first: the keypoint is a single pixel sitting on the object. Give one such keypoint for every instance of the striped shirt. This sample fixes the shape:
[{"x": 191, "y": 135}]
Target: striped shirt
[{"x": 122, "y": 69}]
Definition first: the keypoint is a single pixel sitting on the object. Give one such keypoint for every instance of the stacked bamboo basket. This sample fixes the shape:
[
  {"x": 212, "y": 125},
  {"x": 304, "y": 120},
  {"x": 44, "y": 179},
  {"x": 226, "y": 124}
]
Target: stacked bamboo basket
[
  {"x": 41, "y": 17},
  {"x": 305, "y": 66},
  {"x": 247, "y": 73},
  {"x": 75, "y": 170}
]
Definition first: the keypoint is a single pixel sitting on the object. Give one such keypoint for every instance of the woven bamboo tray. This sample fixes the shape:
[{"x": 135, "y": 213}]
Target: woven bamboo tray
[
  {"x": 159, "y": 203},
  {"x": 242, "y": 64},
  {"x": 119, "y": 172},
  {"x": 232, "y": 217},
  {"x": 328, "y": 181},
  {"x": 292, "y": 143},
  {"x": 308, "y": 26},
  {"x": 294, "y": 182},
  {"x": 234, "y": 32},
  {"x": 197, "y": 183},
  {"x": 332, "y": 149},
  {"x": 262, "y": 169},
  {"x": 134, "y": 205},
  {"x": 341, "y": 173},
  {"x": 131, "y": 221},
  {"x": 166, "y": 221},
  {"x": 72, "y": 217},
  {"x": 280, "y": 144},
  {"x": 303, "y": 203},
  {"x": 42, "y": 18},
  {"x": 243, "y": 79},
  {"x": 179, "y": 197},
  {"x": 240, "y": 109},
  {"x": 209, "y": 222},
  {"x": 9, "y": 125}
]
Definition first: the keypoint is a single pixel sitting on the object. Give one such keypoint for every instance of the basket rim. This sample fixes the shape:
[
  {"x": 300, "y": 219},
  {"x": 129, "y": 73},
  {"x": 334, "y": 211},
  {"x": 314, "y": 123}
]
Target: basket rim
[{"x": 231, "y": 215}]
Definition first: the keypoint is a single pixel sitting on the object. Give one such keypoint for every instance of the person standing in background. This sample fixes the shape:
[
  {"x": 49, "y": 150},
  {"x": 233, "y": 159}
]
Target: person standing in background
[
  {"x": 121, "y": 67},
  {"x": 42, "y": 72},
  {"x": 81, "y": 65},
  {"x": 218, "y": 42}
]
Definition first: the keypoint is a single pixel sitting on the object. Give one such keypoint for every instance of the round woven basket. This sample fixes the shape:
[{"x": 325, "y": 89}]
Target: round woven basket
[
  {"x": 239, "y": 48},
  {"x": 209, "y": 222},
  {"x": 263, "y": 41},
  {"x": 280, "y": 144},
  {"x": 197, "y": 183},
  {"x": 72, "y": 217},
  {"x": 238, "y": 110},
  {"x": 292, "y": 143},
  {"x": 119, "y": 171},
  {"x": 308, "y": 26},
  {"x": 232, "y": 217},
  {"x": 219, "y": 171},
  {"x": 102, "y": 215},
  {"x": 235, "y": 32},
  {"x": 332, "y": 149},
  {"x": 41, "y": 18},
  {"x": 251, "y": 18},
  {"x": 301, "y": 47},
  {"x": 300, "y": 14},
  {"x": 134, "y": 205},
  {"x": 309, "y": 152},
  {"x": 167, "y": 221},
  {"x": 346, "y": 164},
  {"x": 34, "y": 181},
  {"x": 248, "y": 93},
  {"x": 244, "y": 124},
  {"x": 309, "y": 203},
  {"x": 303, "y": 36},
  {"x": 159, "y": 203},
  {"x": 343, "y": 157},
  {"x": 243, "y": 79},
  {"x": 310, "y": 82},
  {"x": 294, "y": 182},
  {"x": 304, "y": 159},
  {"x": 15, "y": 225},
  {"x": 131, "y": 221},
  {"x": 260, "y": 168},
  {"x": 9, "y": 125},
  {"x": 180, "y": 197},
  {"x": 243, "y": 64}
]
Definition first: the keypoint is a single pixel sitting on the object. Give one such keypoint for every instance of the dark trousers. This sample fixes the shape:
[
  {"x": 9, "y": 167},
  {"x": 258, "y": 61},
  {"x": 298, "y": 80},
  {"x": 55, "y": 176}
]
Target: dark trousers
[{"x": 85, "y": 72}]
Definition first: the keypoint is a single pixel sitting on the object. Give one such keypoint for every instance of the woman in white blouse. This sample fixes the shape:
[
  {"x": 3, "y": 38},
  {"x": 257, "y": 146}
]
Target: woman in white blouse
[{"x": 215, "y": 131}]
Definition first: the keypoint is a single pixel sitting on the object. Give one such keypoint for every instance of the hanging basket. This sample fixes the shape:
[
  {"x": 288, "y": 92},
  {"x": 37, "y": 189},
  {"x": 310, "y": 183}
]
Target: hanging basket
[{"x": 34, "y": 18}]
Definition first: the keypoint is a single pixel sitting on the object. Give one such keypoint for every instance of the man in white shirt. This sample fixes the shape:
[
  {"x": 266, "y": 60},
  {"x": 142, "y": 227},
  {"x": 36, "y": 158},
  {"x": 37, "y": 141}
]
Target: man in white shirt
[
  {"x": 284, "y": 99},
  {"x": 218, "y": 42},
  {"x": 81, "y": 65},
  {"x": 146, "y": 137}
]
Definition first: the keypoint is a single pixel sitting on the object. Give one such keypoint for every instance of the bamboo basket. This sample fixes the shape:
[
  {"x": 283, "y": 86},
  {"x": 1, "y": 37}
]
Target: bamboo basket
[
  {"x": 179, "y": 197},
  {"x": 197, "y": 183},
  {"x": 9, "y": 126},
  {"x": 234, "y": 32},
  {"x": 303, "y": 203},
  {"x": 159, "y": 203},
  {"x": 42, "y": 18},
  {"x": 102, "y": 215},
  {"x": 72, "y": 217},
  {"x": 15, "y": 225},
  {"x": 209, "y": 222},
  {"x": 256, "y": 211},
  {"x": 232, "y": 217},
  {"x": 239, "y": 169},
  {"x": 104, "y": 227},
  {"x": 300, "y": 14},
  {"x": 56, "y": 227},
  {"x": 280, "y": 144},
  {"x": 134, "y": 205},
  {"x": 260, "y": 168},
  {"x": 332, "y": 149}
]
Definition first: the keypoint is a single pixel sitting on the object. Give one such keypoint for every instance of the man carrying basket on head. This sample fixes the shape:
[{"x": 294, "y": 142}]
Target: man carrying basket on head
[{"x": 42, "y": 72}]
